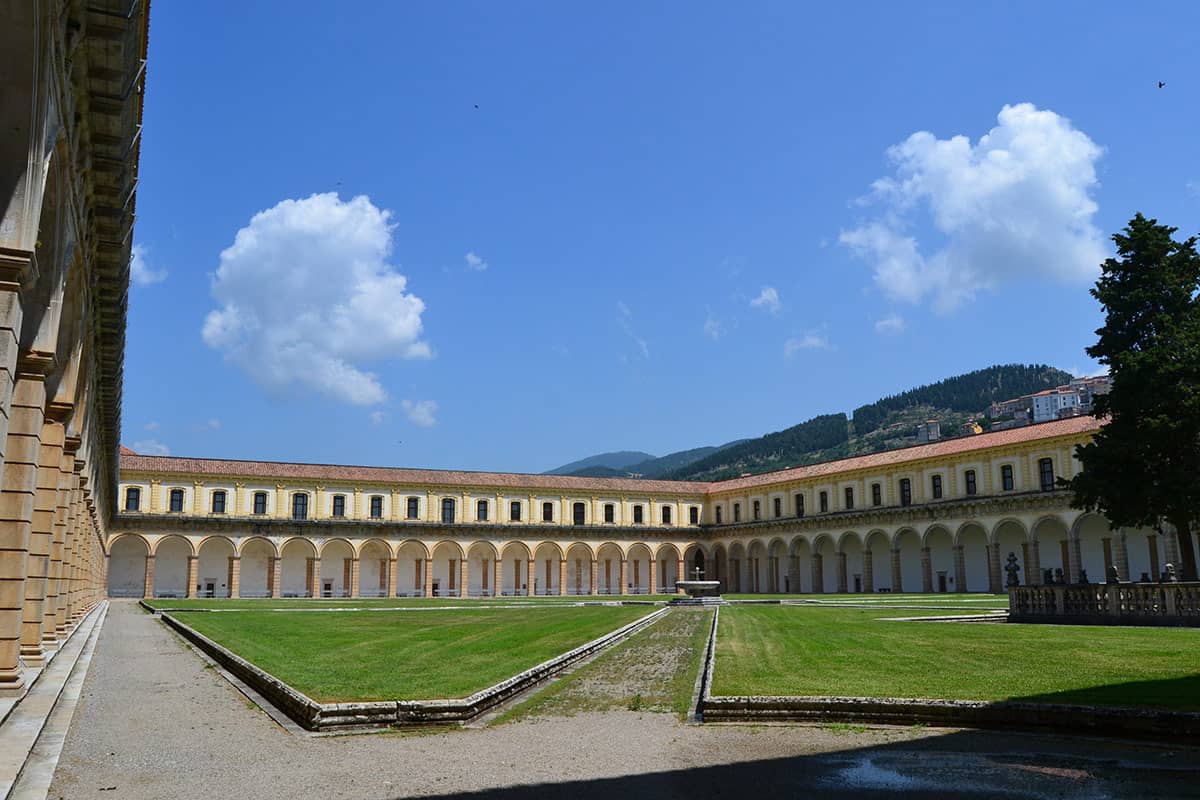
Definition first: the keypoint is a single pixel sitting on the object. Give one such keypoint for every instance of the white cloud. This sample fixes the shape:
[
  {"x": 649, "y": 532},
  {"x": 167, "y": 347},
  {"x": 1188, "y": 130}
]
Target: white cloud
[
  {"x": 809, "y": 341},
  {"x": 1193, "y": 188},
  {"x": 307, "y": 297},
  {"x": 625, "y": 317},
  {"x": 421, "y": 412},
  {"x": 150, "y": 447},
  {"x": 712, "y": 327},
  {"x": 1016, "y": 205},
  {"x": 475, "y": 262},
  {"x": 768, "y": 300},
  {"x": 377, "y": 418},
  {"x": 140, "y": 273},
  {"x": 213, "y": 424},
  {"x": 890, "y": 325},
  {"x": 151, "y": 426}
]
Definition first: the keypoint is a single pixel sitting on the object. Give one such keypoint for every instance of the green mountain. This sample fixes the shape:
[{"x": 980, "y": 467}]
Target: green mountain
[{"x": 615, "y": 461}]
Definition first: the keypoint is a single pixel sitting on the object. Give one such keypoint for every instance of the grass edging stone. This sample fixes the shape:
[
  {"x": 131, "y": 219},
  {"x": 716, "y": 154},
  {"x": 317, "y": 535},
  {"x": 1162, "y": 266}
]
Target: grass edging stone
[
  {"x": 315, "y": 716},
  {"x": 1144, "y": 723}
]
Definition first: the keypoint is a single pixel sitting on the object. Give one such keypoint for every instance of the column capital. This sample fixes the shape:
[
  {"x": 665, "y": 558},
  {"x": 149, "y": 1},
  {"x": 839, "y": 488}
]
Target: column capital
[
  {"x": 36, "y": 364},
  {"x": 16, "y": 268},
  {"x": 58, "y": 411}
]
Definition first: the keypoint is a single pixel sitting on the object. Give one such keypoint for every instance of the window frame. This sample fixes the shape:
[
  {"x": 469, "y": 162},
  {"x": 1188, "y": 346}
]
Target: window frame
[
  {"x": 1008, "y": 479},
  {"x": 665, "y": 514},
  {"x": 970, "y": 483},
  {"x": 299, "y": 505},
  {"x": 175, "y": 501},
  {"x": 823, "y": 501},
  {"x": 578, "y": 513},
  {"x": 1046, "y": 465},
  {"x": 693, "y": 515},
  {"x": 737, "y": 513},
  {"x": 876, "y": 494},
  {"x": 376, "y": 500},
  {"x": 133, "y": 493},
  {"x": 848, "y": 497},
  {"x": 223, "y": 496},
  {"x": 547, "y": 511},
  {"x": 639, "y": 515},
  {"x": 756, "y": 509},
  {"x": 799, "y": 500},
  {"x": 256, "y": 504},
  {"x": 481, "y": 510},
  {"x": 335, "y": 511},
  {"x": 936, "y": 486},
  {"x": 514, "y": 510},
  {"x": 412, "y": 507},
  {"x": 610, "y": 513},
  {"x": 718, "y": 515},
  {"x": 449, "y": 511},
  {"x": 906, "y": 499}
]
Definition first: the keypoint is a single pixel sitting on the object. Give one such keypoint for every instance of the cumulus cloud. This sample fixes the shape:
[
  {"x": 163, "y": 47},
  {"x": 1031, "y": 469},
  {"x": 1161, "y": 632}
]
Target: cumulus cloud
[
  {"x": 890, "y": 325},
  {"x": 712, "y": 327},
  {"x": 140, "y": 272},
  {"x": 625, "y": 318},
  {"x": 306, "y": 297},
  {"x": 150, "y": 447},
  {"x": 420, "y": 412},
  {"x": 475, "y": 262},
  {"x": 767, "y": 300},
  {"x": 377, "y": 418},
  {"x": 1016, "y": 205},
  {"x": 809, "y": 341}
]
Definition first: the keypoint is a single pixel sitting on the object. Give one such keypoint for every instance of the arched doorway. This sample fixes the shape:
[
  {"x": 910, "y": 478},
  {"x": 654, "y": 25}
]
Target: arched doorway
[
  {"x": 908, "y": 545},
  {"x": 546, "y": 556},
  {"x": 447, "y": 570},
  {"x": 639, "y": 570},
  {"x": 374, "y": 562},
  {"x": 608, "y": 563},
  {"x": 481, "y": 569},
  {"x": 667, "y": 560},
  {"x": 940, "y": 545},
  {"x": 296, "y": 570},
  {"x": 879, "y": 550},
  {"x": 514, "y": 558},
  {"x": 579, "y": 569},
  {"x": 214, "y": 574},
  {"x": 800, "y": 566},
  {"x": 257, "y": 557},
  {"x": 851, "y": 549},
  {"x": 337, "y": 565},
  {"x": 972, "y": 538},
  {"x": 171, "y": 566},
  {"x": 410, "y": 569},
  {"x": 127, "y": 566}
]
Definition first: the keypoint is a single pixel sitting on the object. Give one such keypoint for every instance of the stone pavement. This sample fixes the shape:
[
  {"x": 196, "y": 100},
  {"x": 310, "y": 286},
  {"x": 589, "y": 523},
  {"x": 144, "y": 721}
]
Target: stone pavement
[{"x": 154, "y": 722}]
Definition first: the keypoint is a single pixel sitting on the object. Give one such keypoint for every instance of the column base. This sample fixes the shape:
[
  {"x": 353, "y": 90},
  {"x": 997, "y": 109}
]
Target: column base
[
  {"x": 12, "y": 683},
  {"x": 33, "y": 656}
]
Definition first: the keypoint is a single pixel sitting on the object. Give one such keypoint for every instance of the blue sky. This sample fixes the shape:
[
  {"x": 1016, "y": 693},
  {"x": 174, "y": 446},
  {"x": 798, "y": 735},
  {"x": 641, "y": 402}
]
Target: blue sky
[{"x": 666, "y": 225}]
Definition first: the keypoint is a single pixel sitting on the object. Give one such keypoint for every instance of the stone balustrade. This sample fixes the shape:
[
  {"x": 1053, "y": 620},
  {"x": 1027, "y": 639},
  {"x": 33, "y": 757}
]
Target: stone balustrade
[{"x": 1107, "y": 604}]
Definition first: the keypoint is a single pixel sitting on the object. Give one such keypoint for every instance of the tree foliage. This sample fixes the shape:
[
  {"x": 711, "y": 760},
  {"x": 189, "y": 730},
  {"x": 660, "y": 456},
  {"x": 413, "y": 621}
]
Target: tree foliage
[
  {"x": 775, "y": 450},
  {"x": 1143, "y": 466}
]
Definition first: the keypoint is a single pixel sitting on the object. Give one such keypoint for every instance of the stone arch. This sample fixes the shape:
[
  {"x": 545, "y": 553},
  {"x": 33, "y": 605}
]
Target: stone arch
[
  {"x": 824, "y": 567},
  {"x": 907, "y": 545},
  {"x": 799, "y": 577},
  {"x": 878, "y": 549},
  {"x": 777, "y": 560},
  {"x": 337, "y": 568},
  {"x": 737, "y": 568},
  {"x": 374, "y": 568},
  {"x": 171, "y": 555},
  {"x": 1097, "y": 547},
  {"x": 666, "y": 567},
  {"x": 850, "y": 550},
  {"x": 1010, "y": 536},
  {"x": 447, "y": 569},
  {"x": 214, "y": 567},
  {"x": 972, "y": 539},
  {"x": 127, "y": 565},
  {"x": 756, "y": 567},
  {"x": 1145, "y": 554},
  {"x": 257, "y": 556},
  {"x": 939, "y": 544},
  {"x": 482, "y": 558},
  {"x": 608, "y": 566},
  {"x": 547, "y": 557},
  {"x": 187, "y": 543},
  {"x": 694, "y": 557},
  {"x": 411, "y": 556},
  {"x": 514, "y": 568},
  {"x": 719, "y": 566},
  {"x": 579, "y": 569},
  {"x": 639, "y": 568},
  {"x": 297, "y": 556}
]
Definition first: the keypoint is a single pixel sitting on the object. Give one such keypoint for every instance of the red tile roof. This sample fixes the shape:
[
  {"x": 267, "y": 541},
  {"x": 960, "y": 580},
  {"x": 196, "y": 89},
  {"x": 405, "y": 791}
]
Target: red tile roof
[{"x": 268, "y": 470}]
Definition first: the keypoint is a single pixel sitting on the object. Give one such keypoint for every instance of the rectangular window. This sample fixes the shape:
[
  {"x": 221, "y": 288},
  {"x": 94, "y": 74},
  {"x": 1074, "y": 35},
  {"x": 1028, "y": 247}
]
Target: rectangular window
[
  {"x": 547, "y": 512},
  {"x": 718, "y": 515},
  {"x": 514, "y": 511},
  {"x": 876, "y": 494},
  {"x": 905, "y": 492},
  {"x": 637, "y": 515},
  {"x": 176, "y": 505},
  {"x": 757, "y": 510},
  {"x": 339, "y": 505},
  {"x": 299, "y": 506},
  {"x": 133, "y": 499},
  {"x": 849, "y": 498},
  {"x": 376, "y": 507},
  {"x": 666, "y": 515},
  {"x": 1046, "y": 472},
  {"x": 578, "y": 513},
  {"x": 778, "y": 508},
  {"x": 414, "y": 508},
  {"x": 935, "y": 487},
  {"x": 737, "y": 512},
  {"x": 823, "y": 501},
  {"x": 1006, "y": 477},
  {"x": 799, "y": 505},
  {"x": 481, "y": 510},
  {"x": 218, "y": 502},
  {"x": 260, "y": 502},
  {"x": 447, "y": 510},
  {"x": 610, "y": 512},
  {"x": 972, "y": 488},
  {"x": 694, "y": 515}
]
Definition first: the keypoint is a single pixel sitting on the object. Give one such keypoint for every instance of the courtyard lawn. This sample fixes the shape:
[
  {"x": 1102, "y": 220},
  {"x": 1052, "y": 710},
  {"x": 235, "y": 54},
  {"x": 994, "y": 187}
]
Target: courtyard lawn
[
  {"x": 300, "y": 603},
  {"x": 363, "y": 655},
  {"x": 983, "y": 602},
  {"x": 790, "y": 650}
]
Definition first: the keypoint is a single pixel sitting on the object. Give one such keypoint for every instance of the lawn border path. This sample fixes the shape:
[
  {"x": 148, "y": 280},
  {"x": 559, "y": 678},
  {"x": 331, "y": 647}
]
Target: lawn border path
[
  {"x": 1139, "y": 723},
  {"x": 314, "y": 716}
]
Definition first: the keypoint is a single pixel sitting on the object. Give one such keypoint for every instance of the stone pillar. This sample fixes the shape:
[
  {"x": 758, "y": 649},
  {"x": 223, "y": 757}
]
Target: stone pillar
[
  {"x": 427, "y": 578},
  {"x": 463, "y": 577},
  {"x": 40, "y": 595},
  {"x": 624, "y": 576},
  {"x": 843, "y": 583},
  {"x": 275, "y": 576},
  {"x": 562, "y": 576},
  {"x": 235, "y": 576},
  {"x": 1121, "y": 555},
  {"x": 960, "y": 568},
  {"x": 653, "y": 577},
  {"x": 680, "y": 575},
  {"x": 1033, "y": 570},
  {"x": 148, "y": 589},
  {"x": 926, "y": 571},
  {"x": 497, "y": 576},
  {"x": 55, "y": 598},
  {"x": 897, "y": 573},
  {"x": 69, "y": 537},
  {"x": 818, "y": 574},
  {"x": 1076, "y": 561},
  {"x": 193, "y": 574},
  {"x": 20, "y": 638},
  {"x": 314, "y": 587},
  {"x": 868, "y": 571},
  {"x": 355, "y": 589},
  {"x": 594, "y": 572},
  {"x": 530, "y": 577}
]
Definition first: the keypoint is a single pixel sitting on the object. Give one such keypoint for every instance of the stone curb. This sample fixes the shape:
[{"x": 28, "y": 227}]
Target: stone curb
[
  {"x": 315, "y": 716},
  {"x": 1141, "y": 723}
]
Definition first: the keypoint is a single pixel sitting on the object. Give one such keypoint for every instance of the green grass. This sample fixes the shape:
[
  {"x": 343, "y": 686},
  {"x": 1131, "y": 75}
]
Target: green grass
[
  {"x": 972, "y": 600},
  {"x": 789, "y": 650},
  {"x": 364, "y": 655},
  {"x": 391, "y": 602}
]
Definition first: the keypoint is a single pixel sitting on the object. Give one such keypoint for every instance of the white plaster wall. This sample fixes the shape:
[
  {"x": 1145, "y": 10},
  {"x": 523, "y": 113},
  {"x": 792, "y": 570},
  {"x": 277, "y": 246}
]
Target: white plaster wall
[
  {"x": 579, "y": 574},
  {"x": 371, "y": 565},
  {"x": 127, "y": 568},
  {"x": 214, "y": 567},
  {"x": 910, "y": 563},
  {"x": 409, "y": 563},
  {"x": 475, "y": 572},
  {"x": 294, "y": 569},
  {"x": 854, "y": 561},
  {"x": 1137, "y": 546},
  {"x": 975, "y": 559},
  {"x": 255, "y": 566},
  {"x": 170, "y": 568}
]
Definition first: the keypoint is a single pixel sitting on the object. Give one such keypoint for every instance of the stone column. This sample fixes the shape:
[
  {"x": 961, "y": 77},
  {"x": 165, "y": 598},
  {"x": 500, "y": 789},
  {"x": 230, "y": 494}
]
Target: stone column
[
  {"x": 1122, "y": 555},
  {"x": 55, "y": 600},
  {"x": 995, "y": 585},
  {"x": 193, "y": 575},
  {"x": 393, "y": 577},
  {"x": 624, "y": 576},
  {"x": 20, "y": 638},
  {"x": 1033, "y": 570},
  {"x": 497, "y": 577},
  {"x": 355, "y": 589},
  {"x": 427, "y": 577},
  {"x": 275, "y": 577},
  {"x": 69, "y": 537},
  {"x": 868, "y": 571},
  {"x": 148, "y": 588},
  {"x": 463, "y": 577},
  {"x": 594, "y": 572},
  {"x": 562, "y": 576},
  {"x": 926, "y": 571},
  {"x": 680, "y": 575},
  {"x": 960, "y": 568},
  {"x": 818, "y": 574},
  {"x": 314, "y": 587},
  {"x": 653, "y": 577},
  {"x": 1076, "y": 561},
  {"x": 41, "y": 595},
  {"x": 897, "y": 573},
  {"x": 530, "y": 577},
  {"x": 235, "y": 576},
  {"x": 843, "y": 582}
]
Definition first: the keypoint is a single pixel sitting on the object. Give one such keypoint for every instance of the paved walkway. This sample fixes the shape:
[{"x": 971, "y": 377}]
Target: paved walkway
[{"x": 153, "y": 722}]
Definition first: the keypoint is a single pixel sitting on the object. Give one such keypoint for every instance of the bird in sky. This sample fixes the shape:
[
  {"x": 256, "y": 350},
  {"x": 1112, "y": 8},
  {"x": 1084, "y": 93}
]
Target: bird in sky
[
  {"x": 1160, "y": 85},
  {"x": 477, "y": 106}
]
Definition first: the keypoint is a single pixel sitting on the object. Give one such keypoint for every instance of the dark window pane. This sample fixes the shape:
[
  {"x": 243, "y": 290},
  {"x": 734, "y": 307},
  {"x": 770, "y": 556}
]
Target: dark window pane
[
  {"x": 971, "y": 486},
  {"x": 260, "y": 502},
  {"x": 757, "y": 510},
  {"x": 414, "y": 507},
  {"x": 876, "y": 494},
  {"x": 218, "y": 502},
  {"x": 1006, "y": 477},
  {"x": 823, "y": 501},
  {"x": 299, "y": 506},
  {"x": 610, "y": 512},
  {"x": 1046, "y": 471},
  {"x": 849, "y": 498},
  {"x": 778, "y": 508},
  {"x": 448, "y": 510},
  {"x": 547, "y": 512},
  {"x": 694, "y": 515},
  {"x": 666, "y": 515},
  {"x": 737, "y": 512},
  {"x": 905, "y": 492},
  {"x": 718, "y": 515},
  {"x": 637, "y": 515},
  {"x": 578, "y": 513},
  {"x": 339, "y": 505},
  {"x": 176, "y": 500},
  {"x": 936, "y": 486},
  {"x": 799, "y": 505},
  {"x": 481, "y": 511},
  {"x": 133, "y": 499},
  {"x": 376, "y": 507},
  {"x": 514, "y": 511}
]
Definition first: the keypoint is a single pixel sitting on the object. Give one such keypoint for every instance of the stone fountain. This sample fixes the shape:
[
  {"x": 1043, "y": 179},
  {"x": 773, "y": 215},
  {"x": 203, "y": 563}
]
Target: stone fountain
[{"x": 699, "y": 592}]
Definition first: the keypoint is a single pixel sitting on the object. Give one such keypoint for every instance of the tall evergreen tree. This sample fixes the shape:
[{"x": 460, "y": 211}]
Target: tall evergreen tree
[{"x": 1143, "y": 466}]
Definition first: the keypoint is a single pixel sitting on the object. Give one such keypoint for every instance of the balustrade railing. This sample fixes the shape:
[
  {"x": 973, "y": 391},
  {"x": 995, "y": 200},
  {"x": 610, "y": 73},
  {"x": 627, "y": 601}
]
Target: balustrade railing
[{"x": 1107, "y": 604}]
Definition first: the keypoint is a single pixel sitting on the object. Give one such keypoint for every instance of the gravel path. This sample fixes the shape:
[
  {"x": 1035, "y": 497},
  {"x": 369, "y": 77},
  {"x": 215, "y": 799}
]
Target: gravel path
[{"x": 153, "y": 722}]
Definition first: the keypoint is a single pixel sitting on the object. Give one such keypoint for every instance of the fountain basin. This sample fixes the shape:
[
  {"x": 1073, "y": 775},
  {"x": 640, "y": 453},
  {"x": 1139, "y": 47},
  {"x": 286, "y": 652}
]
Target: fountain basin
[{"x": 699, "y": 593}]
